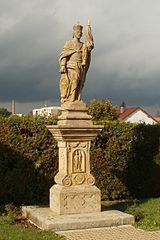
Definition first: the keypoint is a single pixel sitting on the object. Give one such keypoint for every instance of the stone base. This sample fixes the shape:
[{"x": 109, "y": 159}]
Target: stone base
[
  {"x": 45, "y": 218},
  {"x": 74, "y": 114},
  {"x": 75, "y": 199}
]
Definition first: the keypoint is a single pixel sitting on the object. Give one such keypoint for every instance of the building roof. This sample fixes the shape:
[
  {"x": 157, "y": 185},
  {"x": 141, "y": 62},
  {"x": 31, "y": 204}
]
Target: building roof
[
  {"x": 126, "y": 112},
  {"x": 157, "y": 118}
]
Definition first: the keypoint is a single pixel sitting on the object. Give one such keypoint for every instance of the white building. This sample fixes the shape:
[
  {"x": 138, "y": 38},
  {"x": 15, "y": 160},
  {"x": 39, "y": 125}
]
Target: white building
[
  {"x": 46, "y": 111},
  {"x": 136, "y": 115}
]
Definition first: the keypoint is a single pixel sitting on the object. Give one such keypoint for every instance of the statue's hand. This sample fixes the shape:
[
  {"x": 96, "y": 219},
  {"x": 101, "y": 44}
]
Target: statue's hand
[{"x": 62, "y": 69}]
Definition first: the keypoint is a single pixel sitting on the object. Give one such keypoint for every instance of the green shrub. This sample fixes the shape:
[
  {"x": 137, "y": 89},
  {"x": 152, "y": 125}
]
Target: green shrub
[
  {"x": 125, "y": 160},
  {"x": 11, "y": 213},
  {"x": 28, "y": 160},
  {"x": 103, "y": 109}
]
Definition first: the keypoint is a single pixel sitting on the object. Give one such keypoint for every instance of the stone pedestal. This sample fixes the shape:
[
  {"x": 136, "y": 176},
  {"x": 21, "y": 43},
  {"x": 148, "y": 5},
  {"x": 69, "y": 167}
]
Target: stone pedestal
[
  {"x": 74, "y": 191},
  {"x": 75, "y": 202},
  {"x": 75, "y": 199}
]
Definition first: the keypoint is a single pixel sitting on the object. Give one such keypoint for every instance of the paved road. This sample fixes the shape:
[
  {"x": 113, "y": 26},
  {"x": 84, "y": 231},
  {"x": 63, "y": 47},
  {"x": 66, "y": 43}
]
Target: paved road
[{"x": 113, "y": 233}]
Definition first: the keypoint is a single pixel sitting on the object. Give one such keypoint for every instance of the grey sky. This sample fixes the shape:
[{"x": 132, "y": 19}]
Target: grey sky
[{"x": 125, "y": 62}]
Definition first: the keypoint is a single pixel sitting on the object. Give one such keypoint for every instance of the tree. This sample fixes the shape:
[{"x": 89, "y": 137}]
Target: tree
[
  {"x": 4, "y": 112},
  {"x": 102, "y": 110}
]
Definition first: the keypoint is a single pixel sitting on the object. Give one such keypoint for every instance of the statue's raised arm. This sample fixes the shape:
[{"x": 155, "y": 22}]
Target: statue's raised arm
[{"x": 74, "y": 63}]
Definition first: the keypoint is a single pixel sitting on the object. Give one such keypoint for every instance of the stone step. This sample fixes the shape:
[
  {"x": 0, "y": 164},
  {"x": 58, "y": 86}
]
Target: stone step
[{"x": 45, "y": 218}]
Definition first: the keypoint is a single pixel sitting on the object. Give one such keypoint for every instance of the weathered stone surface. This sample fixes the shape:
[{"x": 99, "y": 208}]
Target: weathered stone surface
[
  {"x": 74, "y": 63},
  {"x": 45, "y": 218},
  {"x": 75, "y": 191},
  {"x": 75, "y": 199},
  {"x": 75, "y": 114}
]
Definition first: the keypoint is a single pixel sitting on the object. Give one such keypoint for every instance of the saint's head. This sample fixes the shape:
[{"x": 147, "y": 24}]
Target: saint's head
[{"x": 77, "y": 30}]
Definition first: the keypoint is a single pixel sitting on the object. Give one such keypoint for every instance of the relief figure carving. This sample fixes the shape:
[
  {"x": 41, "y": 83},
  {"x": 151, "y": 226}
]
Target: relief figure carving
[{"x": 78, "y": 161}]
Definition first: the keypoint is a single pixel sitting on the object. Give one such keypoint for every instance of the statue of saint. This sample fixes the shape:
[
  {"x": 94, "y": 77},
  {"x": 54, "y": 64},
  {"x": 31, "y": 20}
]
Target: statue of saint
[{"x": 74, "y": 63}]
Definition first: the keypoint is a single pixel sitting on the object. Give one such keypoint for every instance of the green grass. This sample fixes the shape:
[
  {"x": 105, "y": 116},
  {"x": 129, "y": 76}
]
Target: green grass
[
  {"x": 9, "y": 216},
  {"x": 146, "y": 212},
  {"x": 13, "y": 232}
]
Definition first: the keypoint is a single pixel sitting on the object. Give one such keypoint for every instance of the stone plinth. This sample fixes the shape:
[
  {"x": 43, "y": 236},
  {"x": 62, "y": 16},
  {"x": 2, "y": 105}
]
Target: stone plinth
[
  {"x": 74, "y": 191},
  {"x": 45, "y": 218},
  {"x": 75, "y": 199}
]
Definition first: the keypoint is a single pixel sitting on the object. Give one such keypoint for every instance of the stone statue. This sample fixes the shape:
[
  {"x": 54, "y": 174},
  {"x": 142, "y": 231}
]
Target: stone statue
[{"x": 74, "y": 63}]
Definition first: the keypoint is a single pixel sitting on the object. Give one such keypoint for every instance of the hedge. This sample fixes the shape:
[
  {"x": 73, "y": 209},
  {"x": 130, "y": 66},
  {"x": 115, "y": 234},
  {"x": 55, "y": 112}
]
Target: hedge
[
  {"x": 125, "y": 160},
  {"x": 28, "y": 160}
]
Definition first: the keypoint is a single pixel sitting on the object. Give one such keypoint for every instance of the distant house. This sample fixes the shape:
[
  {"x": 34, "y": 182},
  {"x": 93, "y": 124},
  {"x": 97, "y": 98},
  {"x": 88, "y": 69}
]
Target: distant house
[
  {"x": 46, "y": 111},
  {"x": 157, "y": 118},
  {"x": 136, "y": 115}
]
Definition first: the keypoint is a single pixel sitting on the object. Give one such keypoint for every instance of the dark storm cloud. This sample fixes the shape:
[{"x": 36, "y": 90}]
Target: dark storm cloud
[
  {"x": 28, "y": 70},
  {"x": 31, "y": 84},
  {"x": 125, "y": 61}
]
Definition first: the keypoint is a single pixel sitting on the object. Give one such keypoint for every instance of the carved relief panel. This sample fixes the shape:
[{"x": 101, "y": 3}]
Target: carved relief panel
[
  {"x": 78, "y": 161},
  {"x": 79, "y": 155},
  {"x": 74, "y": 168}
]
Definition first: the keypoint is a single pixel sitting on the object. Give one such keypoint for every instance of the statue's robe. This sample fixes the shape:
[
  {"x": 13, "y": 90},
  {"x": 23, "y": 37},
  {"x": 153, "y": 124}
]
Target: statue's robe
[{"x": 72, "y": 81}]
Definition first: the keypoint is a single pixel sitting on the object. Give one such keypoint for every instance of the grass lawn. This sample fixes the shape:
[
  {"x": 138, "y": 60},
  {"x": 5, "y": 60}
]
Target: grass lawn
[
  {"x": 14, "y": 227},
  {"x": 13, "y": 232},
  {"x": 146, "y": 212}
]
